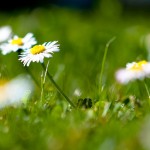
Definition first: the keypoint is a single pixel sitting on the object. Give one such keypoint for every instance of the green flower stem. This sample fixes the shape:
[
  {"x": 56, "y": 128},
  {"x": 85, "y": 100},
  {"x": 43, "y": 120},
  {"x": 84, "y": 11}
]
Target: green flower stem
[
  {"x": 147, "y": 90},
  {"x": 57, "y": 87}
]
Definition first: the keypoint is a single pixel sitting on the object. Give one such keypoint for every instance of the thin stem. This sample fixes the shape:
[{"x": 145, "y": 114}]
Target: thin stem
[
  {"x": 147, "y": 90},
  {"x": 58, "y": 88},
  {"x": 104, "y": 59}
]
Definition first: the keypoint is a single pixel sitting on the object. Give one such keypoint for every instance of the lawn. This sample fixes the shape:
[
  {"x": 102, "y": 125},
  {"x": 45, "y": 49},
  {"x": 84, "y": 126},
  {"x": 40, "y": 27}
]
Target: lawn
[{"x": 108, "y": 115}]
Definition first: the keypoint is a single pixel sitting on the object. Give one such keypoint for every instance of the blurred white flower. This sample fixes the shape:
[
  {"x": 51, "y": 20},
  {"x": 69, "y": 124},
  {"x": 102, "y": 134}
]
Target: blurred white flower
[
  {"x": 133, "y": 71},
  {"x": 38, "y": 52},
  {"x": 17, "y": 43},
  {"x": 5, "y": 33},
  {"x": 15, "y": 91}
]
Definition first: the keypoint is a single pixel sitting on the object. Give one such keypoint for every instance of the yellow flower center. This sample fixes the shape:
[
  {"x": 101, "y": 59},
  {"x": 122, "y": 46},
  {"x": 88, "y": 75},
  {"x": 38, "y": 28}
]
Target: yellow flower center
[
  {"x": 138, "y": 66},
  {"x": 17, "y": 41},
  {"x": 37, "y": 49}
]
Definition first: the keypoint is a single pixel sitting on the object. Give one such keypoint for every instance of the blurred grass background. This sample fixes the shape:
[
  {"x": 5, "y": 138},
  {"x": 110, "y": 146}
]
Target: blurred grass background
[{"x": 82, "y": 35}]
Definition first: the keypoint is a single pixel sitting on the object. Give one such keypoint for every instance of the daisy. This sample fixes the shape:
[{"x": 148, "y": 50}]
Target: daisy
[
  {"x": 17, "y": 43},
  {"x": 38, "y": 52},
  {"x": 5, "y": 33},
  {"x": 133, "y": 71}
]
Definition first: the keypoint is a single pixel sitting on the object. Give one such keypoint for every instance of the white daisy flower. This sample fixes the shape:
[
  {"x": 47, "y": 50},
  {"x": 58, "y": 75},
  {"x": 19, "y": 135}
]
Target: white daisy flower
[
  {"x": 17, "y": 43},
  {"x": 5, "y": 33},
  {"x": 133, "y": 71},
  {"x": 15, "y": 91},
  {"x": 38, "y": 52}
]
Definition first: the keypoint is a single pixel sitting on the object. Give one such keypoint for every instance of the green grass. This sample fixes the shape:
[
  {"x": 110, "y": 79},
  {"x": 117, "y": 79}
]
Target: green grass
[{"x": 119, "y": 115}]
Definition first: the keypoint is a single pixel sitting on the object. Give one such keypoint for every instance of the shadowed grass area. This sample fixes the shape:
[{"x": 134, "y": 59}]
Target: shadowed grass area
[{"x": 119, "y": 116}]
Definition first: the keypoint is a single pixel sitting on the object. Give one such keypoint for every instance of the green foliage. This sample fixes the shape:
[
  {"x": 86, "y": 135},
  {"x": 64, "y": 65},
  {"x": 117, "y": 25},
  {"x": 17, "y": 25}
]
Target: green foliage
[{"x": 115, "y": 117}]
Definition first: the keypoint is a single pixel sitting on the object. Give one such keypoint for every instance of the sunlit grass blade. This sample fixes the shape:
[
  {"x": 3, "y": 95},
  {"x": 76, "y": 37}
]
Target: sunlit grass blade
[
  {"x": 43, "y": 78},
  {"x": 103, "y": 62}
]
